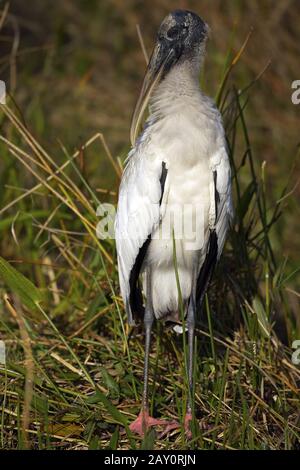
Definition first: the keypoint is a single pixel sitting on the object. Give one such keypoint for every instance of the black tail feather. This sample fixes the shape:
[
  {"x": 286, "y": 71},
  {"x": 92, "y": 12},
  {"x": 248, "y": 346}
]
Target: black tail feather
[{"x": 207, "y": 269}]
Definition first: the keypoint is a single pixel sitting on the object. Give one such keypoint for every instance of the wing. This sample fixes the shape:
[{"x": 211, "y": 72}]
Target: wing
[
  {"x": 221, "y": 197},
  {"x": 138, "y": 214},
  {"x": 221, "y": 213}
]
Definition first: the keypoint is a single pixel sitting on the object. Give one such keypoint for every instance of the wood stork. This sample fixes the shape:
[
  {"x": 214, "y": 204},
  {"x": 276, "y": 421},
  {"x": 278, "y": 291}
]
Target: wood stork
[{"x": 178, "y": 164}]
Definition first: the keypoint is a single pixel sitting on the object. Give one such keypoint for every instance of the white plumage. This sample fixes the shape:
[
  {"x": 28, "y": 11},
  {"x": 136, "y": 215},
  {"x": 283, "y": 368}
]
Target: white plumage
[
  {"x": 175, "y": 192},
  {"x": 185, "y": 131}
]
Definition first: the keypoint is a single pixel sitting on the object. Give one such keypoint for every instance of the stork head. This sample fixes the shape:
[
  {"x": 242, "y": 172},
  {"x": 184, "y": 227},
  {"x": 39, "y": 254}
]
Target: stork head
[{"x": 181, "y": 37}]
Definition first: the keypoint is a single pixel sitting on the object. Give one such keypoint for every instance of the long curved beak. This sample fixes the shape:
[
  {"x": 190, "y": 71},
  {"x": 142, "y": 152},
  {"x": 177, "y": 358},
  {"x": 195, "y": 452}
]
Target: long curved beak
[{"x": 159, "y": 63}]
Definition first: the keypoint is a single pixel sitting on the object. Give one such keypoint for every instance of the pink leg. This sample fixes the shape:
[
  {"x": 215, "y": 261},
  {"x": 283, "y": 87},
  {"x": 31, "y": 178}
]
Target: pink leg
[
  {"x": 143, "y": 422},
  {"x": 187, "y": 424}
]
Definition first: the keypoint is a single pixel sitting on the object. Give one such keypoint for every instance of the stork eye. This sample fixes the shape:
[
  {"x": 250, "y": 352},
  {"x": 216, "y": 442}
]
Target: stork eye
[
  {"x": 176, "y": 32},
  {"x": 173, "y": 32}
]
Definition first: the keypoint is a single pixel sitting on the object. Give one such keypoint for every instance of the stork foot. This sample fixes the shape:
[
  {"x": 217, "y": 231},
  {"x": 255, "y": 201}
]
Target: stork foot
[
  {"x": 176, "y": 425},
  {"x": 144, "y": 422},
  {"x": 187, "y": 425}
]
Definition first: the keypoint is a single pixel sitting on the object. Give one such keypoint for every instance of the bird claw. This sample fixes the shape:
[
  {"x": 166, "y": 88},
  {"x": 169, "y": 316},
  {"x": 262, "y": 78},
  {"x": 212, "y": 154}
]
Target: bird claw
[
  {"x": 175, "y": 425},
  {"x": 143, "y": 422},
  {"x": 169, "y": 427}
]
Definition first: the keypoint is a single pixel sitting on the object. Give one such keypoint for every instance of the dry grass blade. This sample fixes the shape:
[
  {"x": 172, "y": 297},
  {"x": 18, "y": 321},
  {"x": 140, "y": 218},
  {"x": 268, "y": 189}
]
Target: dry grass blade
[{"x": 50, "y": 177}]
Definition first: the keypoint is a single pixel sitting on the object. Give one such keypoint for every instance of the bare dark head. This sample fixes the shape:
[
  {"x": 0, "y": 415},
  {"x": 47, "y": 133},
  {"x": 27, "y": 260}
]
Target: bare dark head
[
  {"x": 181, "y": 37},
  {"x": 184, "y": 33}
]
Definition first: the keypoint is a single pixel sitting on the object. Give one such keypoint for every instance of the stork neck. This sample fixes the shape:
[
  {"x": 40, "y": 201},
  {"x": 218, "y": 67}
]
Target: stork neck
[{"x": 181, "y": 84}]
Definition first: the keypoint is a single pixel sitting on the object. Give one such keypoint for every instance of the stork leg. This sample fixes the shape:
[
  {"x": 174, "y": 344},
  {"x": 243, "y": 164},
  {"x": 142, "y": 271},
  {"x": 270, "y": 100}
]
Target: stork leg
[
  {"x": 144, "y": 421},
  {"x": 190, "y": 322},
  {"x": 148, "y": 322},
  {"x": 191, "y": 316}
]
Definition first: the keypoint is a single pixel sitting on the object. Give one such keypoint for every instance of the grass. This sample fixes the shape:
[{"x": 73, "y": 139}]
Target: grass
[{"x": 73, "y": 376}]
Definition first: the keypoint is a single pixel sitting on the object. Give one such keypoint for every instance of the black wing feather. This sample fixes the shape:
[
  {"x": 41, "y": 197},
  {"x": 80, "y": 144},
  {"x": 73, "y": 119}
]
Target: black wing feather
[
  {"x": 209, "y": 264},
  {"x": 135, "y": 296},
  {"x": 207, "y": 269}
]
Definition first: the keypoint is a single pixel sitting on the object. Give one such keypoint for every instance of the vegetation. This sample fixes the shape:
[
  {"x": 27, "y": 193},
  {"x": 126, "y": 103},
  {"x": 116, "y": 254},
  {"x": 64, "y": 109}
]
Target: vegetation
[{"x": 73, "y": 372}]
